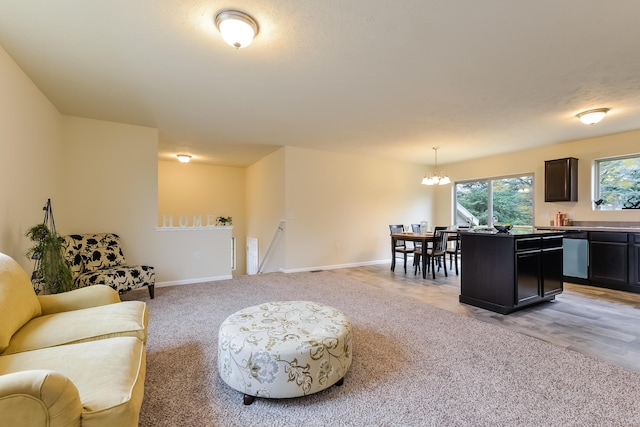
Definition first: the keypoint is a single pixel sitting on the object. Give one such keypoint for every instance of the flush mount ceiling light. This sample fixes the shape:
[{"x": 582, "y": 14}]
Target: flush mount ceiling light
[
  {"x": 183, "y": 158},
  {"x": 591, "y": 117},
  {"x": 437, "y": 178},
  {"x": 237, "y": 28}
]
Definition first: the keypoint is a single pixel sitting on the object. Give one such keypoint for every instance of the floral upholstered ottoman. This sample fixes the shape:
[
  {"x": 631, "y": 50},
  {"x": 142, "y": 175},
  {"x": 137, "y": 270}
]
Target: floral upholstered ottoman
[{"x": 284, "y": 349}]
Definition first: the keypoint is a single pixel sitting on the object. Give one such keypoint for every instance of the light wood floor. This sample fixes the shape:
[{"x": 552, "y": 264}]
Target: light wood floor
[{"x": 595, "y": 321}]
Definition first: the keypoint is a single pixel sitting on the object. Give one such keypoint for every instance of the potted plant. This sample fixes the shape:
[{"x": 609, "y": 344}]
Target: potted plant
[
  {"x": 222, "y": 220},
  {"x": 598, "y": 203},
  {"x": 51, "y": 272}
]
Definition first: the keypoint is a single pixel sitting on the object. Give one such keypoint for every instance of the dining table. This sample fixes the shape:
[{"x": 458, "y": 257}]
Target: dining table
[{"x": 423, "y": 238}]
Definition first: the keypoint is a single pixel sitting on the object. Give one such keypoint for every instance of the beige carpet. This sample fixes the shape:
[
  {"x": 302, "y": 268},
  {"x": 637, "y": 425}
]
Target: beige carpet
[{"x": 413, "y": 365}]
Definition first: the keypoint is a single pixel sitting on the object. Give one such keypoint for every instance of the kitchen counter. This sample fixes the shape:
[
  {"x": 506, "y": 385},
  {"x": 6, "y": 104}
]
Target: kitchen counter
[
  {"x": 605, "y": 255},
  {"x": 589, "y": 228}
]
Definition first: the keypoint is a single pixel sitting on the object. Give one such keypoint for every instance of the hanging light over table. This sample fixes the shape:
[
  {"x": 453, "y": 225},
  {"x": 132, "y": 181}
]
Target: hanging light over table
[{"x": 437, "y": 178}]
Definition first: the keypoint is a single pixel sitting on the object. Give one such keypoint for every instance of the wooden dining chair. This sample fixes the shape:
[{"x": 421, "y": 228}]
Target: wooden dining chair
[
  {"x": 401, "y": 247},
  {"x": 416, "y": 229},
  {"x": 437, "y": 251},
  {"x": 453, "y": 251}
]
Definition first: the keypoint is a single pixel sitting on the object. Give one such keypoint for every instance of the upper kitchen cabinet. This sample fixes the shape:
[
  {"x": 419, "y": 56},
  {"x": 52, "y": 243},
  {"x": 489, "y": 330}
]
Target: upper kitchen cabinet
[{"x": 561, "y": 180}]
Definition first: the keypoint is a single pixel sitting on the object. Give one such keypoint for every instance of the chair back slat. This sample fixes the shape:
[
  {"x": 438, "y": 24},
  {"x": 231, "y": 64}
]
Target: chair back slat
[{"x": 440, "y": 239}]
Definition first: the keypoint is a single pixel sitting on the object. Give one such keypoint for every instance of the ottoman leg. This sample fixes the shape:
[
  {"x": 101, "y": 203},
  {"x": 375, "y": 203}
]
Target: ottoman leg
[
  {"x": 248, "y": 400},
  {"x": 340, "y": 382}
]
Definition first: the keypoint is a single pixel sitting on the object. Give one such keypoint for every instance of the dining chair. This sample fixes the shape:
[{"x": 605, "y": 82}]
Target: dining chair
[
  {"x": 417, "y": 246},
  {"x": 454, "y": 250},
  {"x": 438, "y": 251},
  {"x": 416, "y": 229},
  {"x": 401, "y": 247},
  {"x": 458, "y": 254}
]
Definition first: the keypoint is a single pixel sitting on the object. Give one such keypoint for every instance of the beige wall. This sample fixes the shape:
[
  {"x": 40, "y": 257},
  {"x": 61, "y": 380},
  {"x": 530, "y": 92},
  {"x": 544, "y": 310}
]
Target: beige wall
[
  {"x": 109, "y": 176},
  {"x": 532, "y": 161},
  {"x": 339, "y": 206},
  {"x": 30, "y": 150},
  {"x": 265, "y": 206},
  {"x": 201, "y": 190}
]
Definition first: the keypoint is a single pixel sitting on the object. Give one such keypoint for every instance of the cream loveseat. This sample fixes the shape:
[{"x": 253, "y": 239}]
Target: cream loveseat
[{"x": 71, "y": 359}]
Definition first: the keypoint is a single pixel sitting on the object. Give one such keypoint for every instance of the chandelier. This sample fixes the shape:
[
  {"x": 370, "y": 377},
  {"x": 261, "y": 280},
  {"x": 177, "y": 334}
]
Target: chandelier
[{"x": 437, "y": 178}]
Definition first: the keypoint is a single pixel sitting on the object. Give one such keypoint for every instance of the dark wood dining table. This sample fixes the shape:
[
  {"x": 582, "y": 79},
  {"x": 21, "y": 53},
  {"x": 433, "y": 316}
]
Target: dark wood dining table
[{"x": 424, "y": 238}]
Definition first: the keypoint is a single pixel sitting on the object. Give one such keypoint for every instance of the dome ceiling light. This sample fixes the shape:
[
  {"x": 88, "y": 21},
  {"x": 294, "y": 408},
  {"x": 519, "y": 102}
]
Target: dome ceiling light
[
  {"x": 591, "y": 117},
  {"x": 183, "y": 158},
  {"x": 237, "y": 28}
]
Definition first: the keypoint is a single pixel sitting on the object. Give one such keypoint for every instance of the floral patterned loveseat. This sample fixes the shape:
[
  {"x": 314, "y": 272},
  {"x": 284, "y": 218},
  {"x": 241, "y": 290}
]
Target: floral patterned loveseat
[{"x": 97, "y": 259}]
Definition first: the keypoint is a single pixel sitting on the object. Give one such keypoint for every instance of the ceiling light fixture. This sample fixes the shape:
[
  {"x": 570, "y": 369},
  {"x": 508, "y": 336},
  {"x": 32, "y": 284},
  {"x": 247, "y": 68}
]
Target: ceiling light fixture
[
  {"x": 437, "y": 178},
  {"x": 237, "y": 28},
  {"x": 183, "y": 158},
  {"x": 591, "y": 117}
]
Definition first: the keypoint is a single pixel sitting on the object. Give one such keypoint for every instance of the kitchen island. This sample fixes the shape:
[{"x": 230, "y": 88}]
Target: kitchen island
[{"x": 505, "y": 272}]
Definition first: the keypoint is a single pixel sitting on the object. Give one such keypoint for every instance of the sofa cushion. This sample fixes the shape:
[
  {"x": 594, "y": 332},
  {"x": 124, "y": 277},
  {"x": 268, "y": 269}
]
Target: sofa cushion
[
  {"x": 128, "y": 318},
  {"x": 102, "y": 251},
  {"x": 18, "y": 300},
  {"x": 109, "y": 375}
]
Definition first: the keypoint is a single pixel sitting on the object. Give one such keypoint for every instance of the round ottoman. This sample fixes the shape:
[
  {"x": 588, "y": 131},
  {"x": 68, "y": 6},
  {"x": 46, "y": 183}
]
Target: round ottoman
[{"x": 284, "y": 349}]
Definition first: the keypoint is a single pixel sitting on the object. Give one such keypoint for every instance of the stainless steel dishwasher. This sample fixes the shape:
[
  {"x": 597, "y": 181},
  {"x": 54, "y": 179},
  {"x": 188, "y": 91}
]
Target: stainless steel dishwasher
[{"x": 575, "y": 247}]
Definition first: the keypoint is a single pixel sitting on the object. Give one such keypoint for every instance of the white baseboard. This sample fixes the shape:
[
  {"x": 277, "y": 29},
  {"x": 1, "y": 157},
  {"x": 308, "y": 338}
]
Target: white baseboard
[
  {"x": 192, "y": 281},
  {"x": 282, "y": 270},
  {"x": 334, "y": 267}
]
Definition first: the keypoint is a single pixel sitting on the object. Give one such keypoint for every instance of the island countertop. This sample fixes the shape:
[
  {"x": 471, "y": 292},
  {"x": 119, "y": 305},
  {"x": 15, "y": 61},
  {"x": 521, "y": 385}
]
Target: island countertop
[{"x": 512, "y": 233}]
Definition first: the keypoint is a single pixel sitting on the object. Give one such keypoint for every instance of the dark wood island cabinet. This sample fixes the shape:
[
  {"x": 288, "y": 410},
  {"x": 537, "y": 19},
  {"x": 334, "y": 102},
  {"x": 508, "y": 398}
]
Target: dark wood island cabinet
[{"x": 505, "y": 272}]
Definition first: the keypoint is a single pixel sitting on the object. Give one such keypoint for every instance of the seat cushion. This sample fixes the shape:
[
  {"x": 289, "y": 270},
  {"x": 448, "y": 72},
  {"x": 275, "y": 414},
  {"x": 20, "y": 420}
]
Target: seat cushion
[
  {"x": 128, "y": 318},
  {"x": 109, "y": 375},
  {"x": 122, "y": 278},
  {"x": 18, "y": 301}
]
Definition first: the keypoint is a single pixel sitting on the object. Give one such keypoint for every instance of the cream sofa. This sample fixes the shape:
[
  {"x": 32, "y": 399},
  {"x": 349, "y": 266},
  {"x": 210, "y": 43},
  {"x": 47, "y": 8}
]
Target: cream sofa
[{"x": 70, "y": 359}]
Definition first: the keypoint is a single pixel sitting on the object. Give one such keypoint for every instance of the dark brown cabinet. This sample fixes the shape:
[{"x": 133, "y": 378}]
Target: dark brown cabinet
[
  {"x": 504, "y": 272},
  {"x": 552, "y": 259},
  {"x": 561, "y": 180},
  {"x": 634, "y": 260},
  {"x": 609, "y": 257}
]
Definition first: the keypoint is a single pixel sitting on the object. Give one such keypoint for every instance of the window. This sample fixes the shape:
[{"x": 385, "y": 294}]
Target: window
[
  {"x": 618, "y": 182},
  {"x": 493, "y": 201}
]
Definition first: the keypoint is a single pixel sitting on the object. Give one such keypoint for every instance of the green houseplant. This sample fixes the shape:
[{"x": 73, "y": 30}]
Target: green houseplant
[
  {"x": 224, "y": 220},
  {"x": 51, "y": 272}
]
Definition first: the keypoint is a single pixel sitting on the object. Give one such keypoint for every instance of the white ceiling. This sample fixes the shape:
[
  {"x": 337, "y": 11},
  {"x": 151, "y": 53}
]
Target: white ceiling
[{"x": 372, "y": 77}]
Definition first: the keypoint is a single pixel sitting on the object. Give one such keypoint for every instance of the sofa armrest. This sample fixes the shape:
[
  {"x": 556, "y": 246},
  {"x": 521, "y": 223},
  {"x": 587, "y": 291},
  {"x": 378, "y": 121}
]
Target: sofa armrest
[
  {"x": 91, "y": 296},
  {"x": 39, "y": 398}
]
